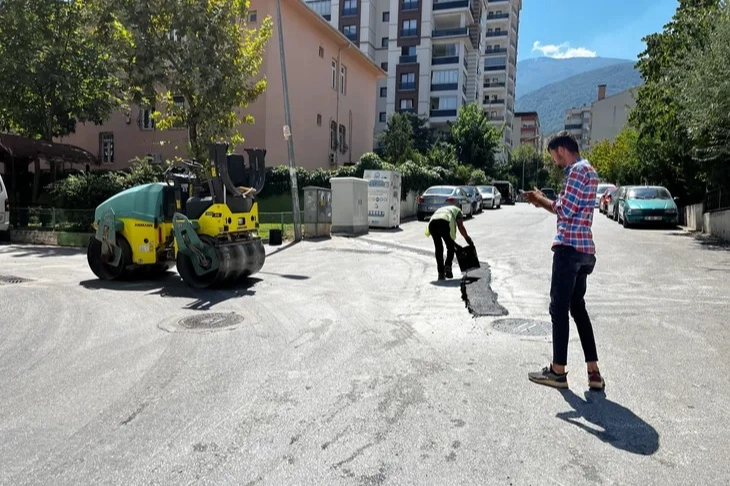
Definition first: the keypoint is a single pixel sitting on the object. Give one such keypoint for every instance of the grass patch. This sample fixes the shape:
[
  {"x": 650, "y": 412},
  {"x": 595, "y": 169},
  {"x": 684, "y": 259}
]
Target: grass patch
[{"x": 287, "y": 230}]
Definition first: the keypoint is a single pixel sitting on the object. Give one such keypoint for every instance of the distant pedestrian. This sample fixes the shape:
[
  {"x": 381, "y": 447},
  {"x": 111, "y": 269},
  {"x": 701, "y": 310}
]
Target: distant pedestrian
[
  {"x": 573, "y": 260},
  {"x": 442, "y": 228}
]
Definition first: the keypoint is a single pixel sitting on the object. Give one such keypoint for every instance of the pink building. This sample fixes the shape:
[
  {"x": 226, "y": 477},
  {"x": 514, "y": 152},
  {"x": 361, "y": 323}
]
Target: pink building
[{"x": 332, "y": 89}]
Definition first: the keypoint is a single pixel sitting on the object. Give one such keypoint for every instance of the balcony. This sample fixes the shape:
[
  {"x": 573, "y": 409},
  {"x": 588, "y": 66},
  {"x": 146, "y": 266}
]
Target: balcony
[
  {"x": 493, "y": 101},
  {"x": 408, "y": 59},
  {"x": 497, "y": 16},
  {"x": 451, "y": 4},
  {"x": 351, "y": 36},
  {"x": 499, "y": 67},
  {"x": 443, "y": 113},
  {"x": 576, "y": 126},
  {"x": 498, "y": 1},
  {"x": 409, "y": 32},
  {"x": 406, "y": 110},
  {"x": 349, "y": 12},
  {"x": 444, "y": 86},
  {"x": 499, "y": 50},
  {"x": 407, "y": 86},
  {"x": 451, "y": 32},
  {"x": 497, "y": 33},
  {"x": 498, "y": 118},
  {"x": 494, "y": 85},
  {"x": 441, "y": 60}
]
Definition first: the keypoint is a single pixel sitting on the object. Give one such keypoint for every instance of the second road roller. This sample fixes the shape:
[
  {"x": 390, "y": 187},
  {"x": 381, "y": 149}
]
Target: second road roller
[{"x": 202, "y": 219}]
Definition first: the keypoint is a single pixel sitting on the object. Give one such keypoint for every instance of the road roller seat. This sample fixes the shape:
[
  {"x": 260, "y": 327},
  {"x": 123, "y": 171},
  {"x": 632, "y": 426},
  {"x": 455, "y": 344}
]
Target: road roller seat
[{"x": 196, "y": 206}]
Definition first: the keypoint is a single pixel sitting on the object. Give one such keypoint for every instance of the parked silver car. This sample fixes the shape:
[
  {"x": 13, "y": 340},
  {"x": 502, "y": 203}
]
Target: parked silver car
[
  {"x": 491, "y": 197},
  {"x": 436, "y": 197},
  {"x": 475, "y": 198}
]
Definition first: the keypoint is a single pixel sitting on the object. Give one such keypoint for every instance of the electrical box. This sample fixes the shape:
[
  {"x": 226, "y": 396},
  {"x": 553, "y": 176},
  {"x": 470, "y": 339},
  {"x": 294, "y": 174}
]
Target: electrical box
[
  {"x": 349, "y": 206},
  {"x": 317, "y": 211},
  {"x": 384, "y": 193}
]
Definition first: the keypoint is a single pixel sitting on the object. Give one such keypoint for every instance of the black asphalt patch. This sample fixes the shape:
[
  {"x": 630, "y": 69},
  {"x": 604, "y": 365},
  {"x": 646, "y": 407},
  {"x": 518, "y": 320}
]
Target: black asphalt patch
[{"x": 478, "y": 295}]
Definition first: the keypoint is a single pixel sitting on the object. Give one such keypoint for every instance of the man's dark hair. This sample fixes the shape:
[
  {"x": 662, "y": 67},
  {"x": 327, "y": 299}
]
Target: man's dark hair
[{"x": 566, "y": 140}]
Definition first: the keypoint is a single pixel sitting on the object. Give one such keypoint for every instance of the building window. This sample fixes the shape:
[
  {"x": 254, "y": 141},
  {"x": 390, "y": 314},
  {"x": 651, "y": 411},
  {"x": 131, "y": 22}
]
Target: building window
[
  {"x": 386, "y": 16},
  {"x": 408, "y": 81},
  {"x": 106, "y": 147},
  {"x": 349, "y": 8},
  {"x": 350, "y": 31},
  {"x": 252, "y": 17},
  {"x": 384, "y": 42},
  {"x": 445, "y": 50},
  {"x": 343, "y": 79},
  {"x": 383, "y": 92},
  {"x": 384, "y": 66},
  {"x": 146, "y": 121},
  {"x": 178, "y": 108},
  {"x": 406, "y": 104},
  {"x": 321, "y": 51},
  {"x": 319, "y": 120},
  {"x": 333, "y": 135},
  {"x": 409, "y": 28},
  {"x": 343, "y": 139},
  {"x": 382, "y": 117},
  {"x": 444, "y": 103},
  {"x": 334, "y": 74}
]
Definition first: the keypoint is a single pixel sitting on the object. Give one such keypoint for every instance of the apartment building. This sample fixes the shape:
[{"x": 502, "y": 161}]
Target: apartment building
[
  {"x": 610, "y": 114},
  {"x": 526, "y": 130},
  {"x": 439, "y": 54},
  {"x": 578, "y": 123},
  {"x": 332, "y": 90}
]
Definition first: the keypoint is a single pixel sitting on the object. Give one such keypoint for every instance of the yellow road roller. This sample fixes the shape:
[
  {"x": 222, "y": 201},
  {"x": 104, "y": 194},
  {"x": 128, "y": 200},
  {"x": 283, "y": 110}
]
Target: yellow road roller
[{"x": 203, "y": 220}]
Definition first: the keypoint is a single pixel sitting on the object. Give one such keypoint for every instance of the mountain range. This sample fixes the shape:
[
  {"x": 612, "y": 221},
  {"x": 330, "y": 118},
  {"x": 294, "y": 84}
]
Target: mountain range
[{"x": 551, "y": 86}]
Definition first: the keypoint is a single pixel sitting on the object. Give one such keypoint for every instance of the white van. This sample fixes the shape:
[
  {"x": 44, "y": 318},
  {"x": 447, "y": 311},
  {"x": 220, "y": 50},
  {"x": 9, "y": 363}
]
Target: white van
[{"x": 4, "y": 207}]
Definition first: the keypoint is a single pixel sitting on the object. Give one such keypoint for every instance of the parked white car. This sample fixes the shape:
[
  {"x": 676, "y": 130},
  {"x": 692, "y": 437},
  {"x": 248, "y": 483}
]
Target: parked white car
[
  {"x": 491, "y": 197},
  {"x": 4, "y": 207}
]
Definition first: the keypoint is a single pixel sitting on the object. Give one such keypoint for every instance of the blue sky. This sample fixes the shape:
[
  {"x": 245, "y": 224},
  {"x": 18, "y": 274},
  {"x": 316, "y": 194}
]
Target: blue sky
[{"x": 588, "y": 28}]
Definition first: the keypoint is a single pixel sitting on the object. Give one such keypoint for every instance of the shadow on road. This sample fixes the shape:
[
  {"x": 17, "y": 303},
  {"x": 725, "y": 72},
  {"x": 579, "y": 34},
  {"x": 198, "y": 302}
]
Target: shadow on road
[
  {"x": 621, "y": 427},
  {"x": 704, "y": 241},
  {"x": 19, "y": 251},
  {"x": 171, "y": 285},
  {"x": 446, "y": 283}
]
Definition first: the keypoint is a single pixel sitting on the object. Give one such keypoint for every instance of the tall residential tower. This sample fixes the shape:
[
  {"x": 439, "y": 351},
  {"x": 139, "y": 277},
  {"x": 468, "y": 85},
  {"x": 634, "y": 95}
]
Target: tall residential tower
[{"x": 439, "y": 54}]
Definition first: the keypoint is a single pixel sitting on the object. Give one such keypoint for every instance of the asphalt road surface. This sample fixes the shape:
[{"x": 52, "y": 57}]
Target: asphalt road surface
[{"x": 344, "y": 363}]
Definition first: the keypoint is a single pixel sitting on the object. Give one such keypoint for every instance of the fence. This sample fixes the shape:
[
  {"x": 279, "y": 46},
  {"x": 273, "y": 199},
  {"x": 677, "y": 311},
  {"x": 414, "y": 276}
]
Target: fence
[{"x": 717, "y": 200}]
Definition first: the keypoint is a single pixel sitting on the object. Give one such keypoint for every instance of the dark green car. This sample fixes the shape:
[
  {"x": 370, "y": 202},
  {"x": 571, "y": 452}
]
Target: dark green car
[{"x": 647, "y": 205}]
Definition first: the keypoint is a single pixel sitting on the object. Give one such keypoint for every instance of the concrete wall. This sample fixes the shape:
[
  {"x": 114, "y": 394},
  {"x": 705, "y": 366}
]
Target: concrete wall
[
  {"x": 408, "y": 208},
  {"x": 717, "y": 224},
  {"x": 610, "y": 115},
  {"x": 693, "y": 217}
]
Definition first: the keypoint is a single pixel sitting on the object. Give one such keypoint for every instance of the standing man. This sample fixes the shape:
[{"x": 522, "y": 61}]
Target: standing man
[
  {"x": 442, "y": 226},
  {"x": 573, "y": 260}
]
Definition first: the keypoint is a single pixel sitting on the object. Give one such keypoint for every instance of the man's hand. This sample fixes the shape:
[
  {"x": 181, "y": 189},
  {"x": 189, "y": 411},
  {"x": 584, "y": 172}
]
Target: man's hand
[
  {"x": 539, "y": 200},
  {"x": 469, "y": 241}
]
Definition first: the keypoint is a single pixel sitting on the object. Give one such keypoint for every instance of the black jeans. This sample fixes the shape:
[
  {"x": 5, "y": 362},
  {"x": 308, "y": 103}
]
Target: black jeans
[
  {"x": 567, "y": 291},
  {"x": 441, "y": 230}
]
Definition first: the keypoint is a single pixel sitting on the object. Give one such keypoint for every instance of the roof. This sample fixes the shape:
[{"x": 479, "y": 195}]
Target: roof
[
  {"x": 342, "y": 40},
  {"x": 21, "y": 147},
  {"x": 631, "y": 91},
  {"x": 526, "y": 113}
]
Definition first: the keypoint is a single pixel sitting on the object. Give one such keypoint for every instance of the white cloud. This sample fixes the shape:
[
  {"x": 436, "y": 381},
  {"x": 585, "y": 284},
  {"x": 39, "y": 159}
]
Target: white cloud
[{"x": 563, "y": 51}]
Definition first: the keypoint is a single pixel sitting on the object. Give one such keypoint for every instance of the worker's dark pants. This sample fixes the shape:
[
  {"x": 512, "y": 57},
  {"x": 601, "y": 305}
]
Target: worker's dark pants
[
  {"x": 567, "y": 291},
  {"x": 441, "y": 230}
]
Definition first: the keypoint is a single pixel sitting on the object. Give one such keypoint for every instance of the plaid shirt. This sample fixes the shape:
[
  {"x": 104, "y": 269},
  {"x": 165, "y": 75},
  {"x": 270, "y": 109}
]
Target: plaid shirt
[{"x": 575, "y": 205}]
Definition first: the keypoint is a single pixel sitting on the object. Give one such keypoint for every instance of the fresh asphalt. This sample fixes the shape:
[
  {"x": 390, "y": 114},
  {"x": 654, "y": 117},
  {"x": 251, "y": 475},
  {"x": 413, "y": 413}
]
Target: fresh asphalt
[{"x": 347, "y": 363}]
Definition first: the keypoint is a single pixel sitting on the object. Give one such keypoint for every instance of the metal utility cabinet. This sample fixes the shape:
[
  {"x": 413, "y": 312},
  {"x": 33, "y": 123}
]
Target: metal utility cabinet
[
  {"x": 317, "y": 211},
  {"x": 384, "y": 193},
  {"x": 349, "y": 206}
]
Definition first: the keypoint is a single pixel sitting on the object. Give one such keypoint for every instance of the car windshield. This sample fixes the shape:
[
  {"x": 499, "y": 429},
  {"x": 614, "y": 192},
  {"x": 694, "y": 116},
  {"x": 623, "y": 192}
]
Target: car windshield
[
  {"x": 649, "y": 193},
  {"x": 468, "y": 190},
  {"x": 439, "y": 191},
  {"x": 486, "y": 189}
]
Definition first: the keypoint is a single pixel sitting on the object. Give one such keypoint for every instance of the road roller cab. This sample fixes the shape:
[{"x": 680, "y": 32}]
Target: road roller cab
[{"x": 204, "y": 220}]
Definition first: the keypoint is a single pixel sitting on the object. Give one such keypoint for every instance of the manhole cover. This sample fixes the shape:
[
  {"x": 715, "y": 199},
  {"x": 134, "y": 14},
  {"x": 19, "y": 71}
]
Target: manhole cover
[
  {"x": 214, "y": 320},
  {"x": 9, "y": 279},
  {"x": 523, "y": 327}
]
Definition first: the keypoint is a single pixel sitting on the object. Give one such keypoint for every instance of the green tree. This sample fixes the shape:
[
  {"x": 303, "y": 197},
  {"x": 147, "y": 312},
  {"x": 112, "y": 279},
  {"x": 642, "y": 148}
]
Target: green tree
[
  {"x": 396, "y": 141},
  {"x": 475, "y": 138},
  {"x": 525, "y": 165},
  {"x": 59, "y": 66},
  {"x": 443, "y": 154},
  {"x": 663, "y": 143},
  {"x": 423, "y": 135},
  {"x": 196, "y": 63},
  {"x": 703, "y": 77}
]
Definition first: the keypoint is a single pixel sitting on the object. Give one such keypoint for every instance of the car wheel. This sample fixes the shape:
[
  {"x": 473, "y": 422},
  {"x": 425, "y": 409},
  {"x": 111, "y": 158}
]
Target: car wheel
[
  {"x": 420, "y": 216},
  {"x": 625, "y": 223}
]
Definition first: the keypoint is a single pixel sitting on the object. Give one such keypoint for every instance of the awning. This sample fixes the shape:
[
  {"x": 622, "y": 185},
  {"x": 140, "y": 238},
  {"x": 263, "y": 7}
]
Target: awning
[{"x": 26, "y": 148}]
